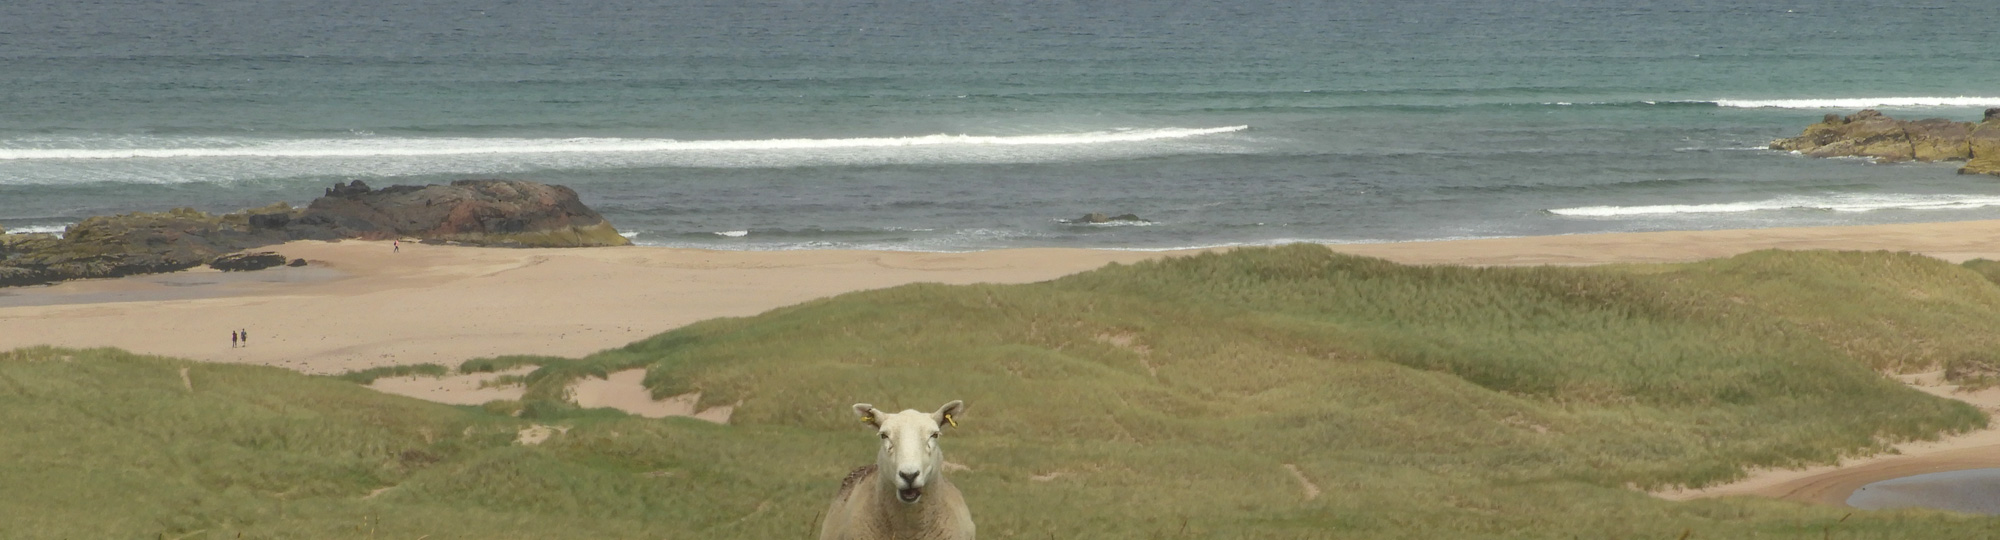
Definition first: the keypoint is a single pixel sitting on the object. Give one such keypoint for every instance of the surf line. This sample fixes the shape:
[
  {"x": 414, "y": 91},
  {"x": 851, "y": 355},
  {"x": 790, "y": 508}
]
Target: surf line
[
  {"x": 395, "y": 147},
  {"x": 1861, "y": 103}
]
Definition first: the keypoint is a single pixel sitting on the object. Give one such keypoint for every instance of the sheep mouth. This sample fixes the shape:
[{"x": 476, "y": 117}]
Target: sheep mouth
[{"x": 910, "y": 496}]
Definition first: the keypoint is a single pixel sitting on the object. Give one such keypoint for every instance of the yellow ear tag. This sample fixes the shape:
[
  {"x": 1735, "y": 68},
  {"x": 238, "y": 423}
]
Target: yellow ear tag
[
  {"x": 948, "y": 420},
  {"x": 867, "y": 419}
]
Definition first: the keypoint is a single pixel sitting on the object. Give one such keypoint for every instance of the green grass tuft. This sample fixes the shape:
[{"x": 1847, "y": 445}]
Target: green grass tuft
[
  {"x": 504, "y": 363},
  {"x": 1988, "y": 269},
  {"x": 369, "y": 375}
]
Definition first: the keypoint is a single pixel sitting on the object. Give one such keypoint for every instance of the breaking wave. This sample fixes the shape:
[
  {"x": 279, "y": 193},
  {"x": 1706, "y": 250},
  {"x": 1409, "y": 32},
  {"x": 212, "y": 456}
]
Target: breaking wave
[
  {"x": 180, "y": 160},
  {"x": 1831, "y": 203},
  {"x": 1861, "y": 103},
  {"x": 418, "y": 147}
]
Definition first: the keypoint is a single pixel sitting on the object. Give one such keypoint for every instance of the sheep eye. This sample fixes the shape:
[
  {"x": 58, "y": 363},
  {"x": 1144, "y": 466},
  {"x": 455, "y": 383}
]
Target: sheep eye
[
  {"x": 934, "y": 435},
  {"x": 885, "y": 436}
]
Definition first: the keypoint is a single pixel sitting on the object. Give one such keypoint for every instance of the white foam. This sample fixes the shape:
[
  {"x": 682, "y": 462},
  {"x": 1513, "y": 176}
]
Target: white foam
[
  {"x": 421, "y": 147},
  {"x": 57, "y": 229},
  {"x": 733, "y": 234},
  {"x": 1861, "y": 103},
  {"x": 179, "y": 160},
  {"x": 1113, "y": 223},
  {"x": 1722, "y": 149},
  {"x": 1839, "y": 202}
]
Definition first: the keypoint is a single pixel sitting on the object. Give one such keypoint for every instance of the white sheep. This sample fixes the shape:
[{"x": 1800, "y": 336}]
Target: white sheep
[{"x": 913, "y": 500}]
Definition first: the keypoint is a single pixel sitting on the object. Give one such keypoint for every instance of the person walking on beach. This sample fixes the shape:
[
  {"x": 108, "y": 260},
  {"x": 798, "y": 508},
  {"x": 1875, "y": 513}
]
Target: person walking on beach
[
  {"x": 232, "y": 339},
  {"x": 396, "y": 246},
  {"x": 246, "y": 336}
]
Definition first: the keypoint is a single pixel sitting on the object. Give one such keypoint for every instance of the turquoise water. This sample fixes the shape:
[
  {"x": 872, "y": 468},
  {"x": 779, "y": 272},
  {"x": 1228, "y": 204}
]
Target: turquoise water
[{"x": 951, "y": 125}]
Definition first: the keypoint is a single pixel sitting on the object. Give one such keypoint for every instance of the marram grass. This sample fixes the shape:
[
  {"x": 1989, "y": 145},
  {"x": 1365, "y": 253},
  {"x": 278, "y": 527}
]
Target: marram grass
[{"x": 1170, "y": 399}]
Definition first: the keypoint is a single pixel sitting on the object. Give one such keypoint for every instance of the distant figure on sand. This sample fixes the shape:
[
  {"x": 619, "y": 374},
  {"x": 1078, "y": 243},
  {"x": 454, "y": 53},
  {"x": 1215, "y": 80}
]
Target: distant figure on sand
[
  {"x": 396, "y": 246},
  {"x": 232, "y": 339},
  {"x": 246, "y": 336}
]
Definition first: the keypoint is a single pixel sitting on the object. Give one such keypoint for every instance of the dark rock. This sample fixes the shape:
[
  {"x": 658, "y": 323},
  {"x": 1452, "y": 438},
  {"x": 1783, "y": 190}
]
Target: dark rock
[
  {"x": 11, "y": 276},
  {"x": 1097, "y": 218},
  {"x": 351, "y": 189},
  {"x": 123, "y": 245},
  {"x": 478, "y": 212},
  {"x": 26, "y": 242},
  {"x": 17, "y": 247},
  {"x": 244, "y": 262},
  {"x": 1938, "y": 139},
  {"x": 270, "y": 221},
  {"x": 297, "y": 263},
  {"x": 1984, "y": 145},
  {"x": 1871, "y": 134},
  {"x": 432, "y": 241}
]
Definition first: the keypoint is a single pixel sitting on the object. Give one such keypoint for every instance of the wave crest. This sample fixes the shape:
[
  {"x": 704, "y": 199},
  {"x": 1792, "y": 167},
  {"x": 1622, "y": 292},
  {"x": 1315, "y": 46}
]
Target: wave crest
[
  {"x": 419, "y": 147},
  {"x": 1849, "y": 202},
  {"x": 1861, "y": 103},
  {"x": 57, "y": 230}
]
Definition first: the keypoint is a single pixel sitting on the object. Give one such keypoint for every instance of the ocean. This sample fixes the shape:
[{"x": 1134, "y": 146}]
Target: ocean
[{"x": 950, "y": 125}]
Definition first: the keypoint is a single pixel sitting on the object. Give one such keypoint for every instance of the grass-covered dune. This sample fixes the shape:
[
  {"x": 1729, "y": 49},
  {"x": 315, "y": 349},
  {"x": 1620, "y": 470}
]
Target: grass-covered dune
[{"x": 1171, "y": 399}]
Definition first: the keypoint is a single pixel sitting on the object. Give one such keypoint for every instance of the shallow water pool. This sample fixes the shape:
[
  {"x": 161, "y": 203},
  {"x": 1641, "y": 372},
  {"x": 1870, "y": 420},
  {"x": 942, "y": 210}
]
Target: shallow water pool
[{"x": 1973, "y": 490}]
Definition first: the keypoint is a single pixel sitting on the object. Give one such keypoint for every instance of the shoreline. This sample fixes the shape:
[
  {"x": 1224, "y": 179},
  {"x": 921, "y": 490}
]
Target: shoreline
[{"x": 360, "y": 305}]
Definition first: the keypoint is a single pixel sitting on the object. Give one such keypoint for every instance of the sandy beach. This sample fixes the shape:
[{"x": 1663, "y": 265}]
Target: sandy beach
[{"x": 360, "y": 304}]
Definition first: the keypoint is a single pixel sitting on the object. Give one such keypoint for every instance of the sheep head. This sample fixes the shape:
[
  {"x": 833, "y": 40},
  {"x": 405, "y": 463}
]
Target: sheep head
[{"x": 909, "y": 458}]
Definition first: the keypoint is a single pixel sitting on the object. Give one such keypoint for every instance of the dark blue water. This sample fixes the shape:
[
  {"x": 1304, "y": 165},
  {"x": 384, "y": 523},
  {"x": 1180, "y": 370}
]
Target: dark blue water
[{"x": 949, "y": 125}]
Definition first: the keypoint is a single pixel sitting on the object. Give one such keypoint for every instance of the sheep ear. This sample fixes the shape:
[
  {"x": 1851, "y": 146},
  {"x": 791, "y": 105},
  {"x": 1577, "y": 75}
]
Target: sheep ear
[
  {"x": 868, "y": 414},
  {"x": 947, "y": 415}
]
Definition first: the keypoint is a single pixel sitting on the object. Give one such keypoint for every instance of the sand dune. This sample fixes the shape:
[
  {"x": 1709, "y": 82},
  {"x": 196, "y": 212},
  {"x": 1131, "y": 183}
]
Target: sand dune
[
  {"x": 361, "y": 305},
  {"x": 1832, "y": 484}
]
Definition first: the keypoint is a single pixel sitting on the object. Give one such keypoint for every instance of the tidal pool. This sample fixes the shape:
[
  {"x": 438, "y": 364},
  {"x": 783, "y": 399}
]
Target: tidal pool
[{"x": 1973, "y": 490}]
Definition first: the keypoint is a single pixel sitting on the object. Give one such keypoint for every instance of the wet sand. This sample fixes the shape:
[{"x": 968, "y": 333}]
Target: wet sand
[{"x": 189, "y": 284}]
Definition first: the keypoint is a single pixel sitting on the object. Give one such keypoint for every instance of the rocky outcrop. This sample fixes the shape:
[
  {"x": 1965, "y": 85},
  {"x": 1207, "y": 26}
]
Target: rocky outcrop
[
  {"x": 1873, "y": 135},
  {"x": 478, "y": 212},
  {"x": 246, "y": 262},
  {"x": 1984, "y": 145},
  {"x": 1095, "y": 218},
  {"x": 122, "y": 245},
  {"x": 481, "y": 212}
]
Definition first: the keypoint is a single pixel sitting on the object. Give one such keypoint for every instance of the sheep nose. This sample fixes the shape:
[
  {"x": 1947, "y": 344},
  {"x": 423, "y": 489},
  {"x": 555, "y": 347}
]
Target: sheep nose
[{"x": 909, "y": 478}]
